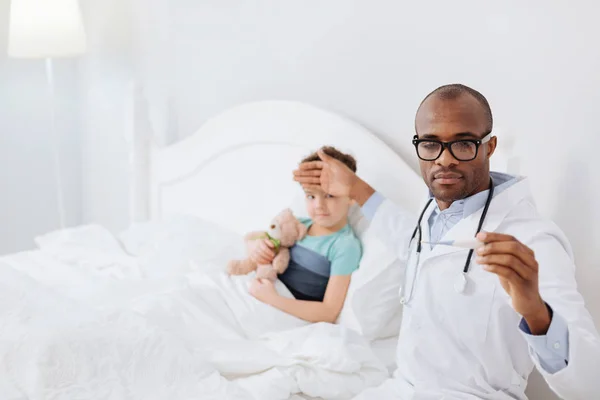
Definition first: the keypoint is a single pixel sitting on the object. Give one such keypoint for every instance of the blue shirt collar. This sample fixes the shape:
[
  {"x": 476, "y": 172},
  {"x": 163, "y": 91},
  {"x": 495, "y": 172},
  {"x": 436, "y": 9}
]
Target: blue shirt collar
[{"x": 471, "y": 204}]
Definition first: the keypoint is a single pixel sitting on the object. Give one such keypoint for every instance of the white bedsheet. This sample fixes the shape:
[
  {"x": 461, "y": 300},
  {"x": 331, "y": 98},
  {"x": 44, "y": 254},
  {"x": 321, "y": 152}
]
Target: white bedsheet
[
  {"x": 385, "y": 350},
  {"x": 79, "y": 318}
]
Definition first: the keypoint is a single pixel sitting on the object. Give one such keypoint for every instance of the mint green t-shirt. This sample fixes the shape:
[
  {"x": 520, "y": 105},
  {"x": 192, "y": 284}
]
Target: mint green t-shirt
[
  {"x": 314, "y": 259},
  {"x": 342, "y": 248}
]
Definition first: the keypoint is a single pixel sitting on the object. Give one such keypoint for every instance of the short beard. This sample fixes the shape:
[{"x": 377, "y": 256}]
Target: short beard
[
  {"x": 450, "y": 197},
  {"x": 479, "y": 178}
]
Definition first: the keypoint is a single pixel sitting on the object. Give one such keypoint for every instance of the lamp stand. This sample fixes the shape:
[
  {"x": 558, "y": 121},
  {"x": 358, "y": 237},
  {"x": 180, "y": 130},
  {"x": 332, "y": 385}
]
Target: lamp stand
[{"x": 55, "y": 145}]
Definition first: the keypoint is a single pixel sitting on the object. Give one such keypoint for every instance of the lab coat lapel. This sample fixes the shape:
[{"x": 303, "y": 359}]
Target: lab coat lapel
[
  {"x": 425, "y": 225},
  {"x": 500, "y": 206}
]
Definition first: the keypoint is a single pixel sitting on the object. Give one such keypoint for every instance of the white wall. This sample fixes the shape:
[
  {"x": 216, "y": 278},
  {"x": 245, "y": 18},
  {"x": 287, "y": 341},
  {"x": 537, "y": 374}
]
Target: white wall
[
  {"x": 91, "y": 121},
  {"x": 28, "y": 202},
  {"x": 106, "y": 75},
  {"x": 536, "y": 62}
]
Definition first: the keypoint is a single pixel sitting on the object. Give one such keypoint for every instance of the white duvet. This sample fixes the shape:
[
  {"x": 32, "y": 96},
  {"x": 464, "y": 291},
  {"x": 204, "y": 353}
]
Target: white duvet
[{"x": 82, "y": 319}]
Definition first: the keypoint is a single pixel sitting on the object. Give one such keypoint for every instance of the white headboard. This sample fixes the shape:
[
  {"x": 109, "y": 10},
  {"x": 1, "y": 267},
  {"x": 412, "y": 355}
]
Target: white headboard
[{"x": 236, "y": 170}]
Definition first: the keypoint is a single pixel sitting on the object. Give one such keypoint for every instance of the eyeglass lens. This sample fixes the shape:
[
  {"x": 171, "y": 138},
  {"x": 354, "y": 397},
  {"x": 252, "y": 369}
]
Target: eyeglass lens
[{"x": 462, "y": 150}]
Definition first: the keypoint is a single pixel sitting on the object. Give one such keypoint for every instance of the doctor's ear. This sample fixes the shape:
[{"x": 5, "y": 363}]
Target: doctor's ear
[{"x": 491, "y": 146}]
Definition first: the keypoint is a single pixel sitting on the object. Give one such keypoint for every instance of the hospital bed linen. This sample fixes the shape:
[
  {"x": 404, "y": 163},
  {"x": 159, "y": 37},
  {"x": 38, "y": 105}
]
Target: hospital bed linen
[{"x": 83, "y": 318}]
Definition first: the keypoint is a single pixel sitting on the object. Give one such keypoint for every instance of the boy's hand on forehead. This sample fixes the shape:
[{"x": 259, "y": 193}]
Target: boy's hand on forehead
[{"x": 329, "y": 175}]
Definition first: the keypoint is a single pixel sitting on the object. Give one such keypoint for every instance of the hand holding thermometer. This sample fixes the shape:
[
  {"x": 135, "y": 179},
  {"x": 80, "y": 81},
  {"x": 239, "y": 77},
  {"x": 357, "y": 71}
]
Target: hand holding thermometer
[{"x": 465, "y": 244}]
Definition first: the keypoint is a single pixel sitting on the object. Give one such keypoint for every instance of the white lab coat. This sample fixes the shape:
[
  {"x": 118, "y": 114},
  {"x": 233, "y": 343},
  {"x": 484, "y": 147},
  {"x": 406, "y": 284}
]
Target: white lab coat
[{"x": 469, "y": 345}]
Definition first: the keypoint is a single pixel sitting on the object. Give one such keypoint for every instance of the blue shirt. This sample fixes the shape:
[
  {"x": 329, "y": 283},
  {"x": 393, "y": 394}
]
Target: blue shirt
[
  {"x": 341, "y": 248},
  {"x": 315, "y": 258},
  {"x": 552, "y": 348}
]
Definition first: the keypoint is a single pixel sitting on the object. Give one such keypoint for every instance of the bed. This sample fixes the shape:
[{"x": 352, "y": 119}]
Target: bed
[{"x": 89, "y": 310}]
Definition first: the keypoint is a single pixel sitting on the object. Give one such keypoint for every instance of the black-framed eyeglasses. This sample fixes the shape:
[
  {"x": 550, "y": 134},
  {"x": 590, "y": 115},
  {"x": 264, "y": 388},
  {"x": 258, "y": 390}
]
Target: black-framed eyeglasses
[{"x": 462, "y": 150}]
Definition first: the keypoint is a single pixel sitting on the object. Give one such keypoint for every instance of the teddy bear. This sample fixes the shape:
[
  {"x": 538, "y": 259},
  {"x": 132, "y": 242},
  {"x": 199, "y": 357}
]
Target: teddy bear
[{"x": 285, "y": 230}]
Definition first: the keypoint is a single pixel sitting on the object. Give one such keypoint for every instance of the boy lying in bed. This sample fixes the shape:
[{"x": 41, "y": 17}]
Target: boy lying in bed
[{"x": 321, "y": 264}]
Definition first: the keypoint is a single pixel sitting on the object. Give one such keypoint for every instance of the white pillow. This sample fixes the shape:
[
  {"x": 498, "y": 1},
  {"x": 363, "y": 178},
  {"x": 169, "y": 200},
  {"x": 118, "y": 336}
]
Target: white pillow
[
  {"x": 372, "y": 306},
  {"x": 172, "y": 247}
]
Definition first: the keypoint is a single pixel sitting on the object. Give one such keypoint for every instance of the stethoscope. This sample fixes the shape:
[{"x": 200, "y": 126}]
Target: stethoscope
[{"x": 414, "y": 254}]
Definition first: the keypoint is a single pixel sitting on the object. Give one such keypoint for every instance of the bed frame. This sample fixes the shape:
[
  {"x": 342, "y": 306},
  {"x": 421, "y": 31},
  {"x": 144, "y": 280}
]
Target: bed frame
[{"x": 236, "y": 170}]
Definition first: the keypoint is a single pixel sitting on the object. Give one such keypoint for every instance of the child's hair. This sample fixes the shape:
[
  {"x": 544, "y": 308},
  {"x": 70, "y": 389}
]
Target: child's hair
[{"x": 335, "y": 153}]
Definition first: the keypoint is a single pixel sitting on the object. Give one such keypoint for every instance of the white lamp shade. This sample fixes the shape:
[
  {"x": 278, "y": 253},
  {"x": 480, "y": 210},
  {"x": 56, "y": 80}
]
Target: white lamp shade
[{"x": 46, "y": 29}]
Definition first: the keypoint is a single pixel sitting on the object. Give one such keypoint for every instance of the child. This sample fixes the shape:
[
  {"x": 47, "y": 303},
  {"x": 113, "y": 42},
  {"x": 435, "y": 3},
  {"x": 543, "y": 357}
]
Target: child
[{"x": 321, "y": 264}]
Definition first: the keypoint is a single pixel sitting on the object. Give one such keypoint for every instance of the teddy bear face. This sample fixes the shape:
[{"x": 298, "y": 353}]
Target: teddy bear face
[
  {"x": 275, "y": 230},
  {"x": 287, "y": 229}
]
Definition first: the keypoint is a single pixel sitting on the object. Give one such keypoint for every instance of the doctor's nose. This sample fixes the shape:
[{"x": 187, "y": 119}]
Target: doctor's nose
[{"x": 446, "y": 159}]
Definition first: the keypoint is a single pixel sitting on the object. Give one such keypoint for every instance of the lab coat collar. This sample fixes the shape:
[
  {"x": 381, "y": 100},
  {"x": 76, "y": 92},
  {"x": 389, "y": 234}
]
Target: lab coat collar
[
  {"x": 473, "y": 203},
  {"x": 500, "y": 206}
]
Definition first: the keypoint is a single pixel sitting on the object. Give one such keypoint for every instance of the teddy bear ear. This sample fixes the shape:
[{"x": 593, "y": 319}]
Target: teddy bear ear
[
  {"x": 302, "y": 230},
  {"x": 287, "y": 212}
]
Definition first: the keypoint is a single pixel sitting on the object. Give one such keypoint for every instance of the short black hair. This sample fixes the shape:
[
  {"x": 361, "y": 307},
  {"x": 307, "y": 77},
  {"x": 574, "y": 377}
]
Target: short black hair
[{"x": 454, "y": 91}]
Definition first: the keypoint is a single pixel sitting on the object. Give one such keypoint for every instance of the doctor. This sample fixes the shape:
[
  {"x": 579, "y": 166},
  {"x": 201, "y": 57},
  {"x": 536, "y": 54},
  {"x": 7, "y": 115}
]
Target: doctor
[{"x": 474, "y": 323}]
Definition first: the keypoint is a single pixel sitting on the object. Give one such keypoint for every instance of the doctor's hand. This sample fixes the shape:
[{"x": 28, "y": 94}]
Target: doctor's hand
[
  {"x": 517, "y": 269},
  {"x": 330, "y": 175},
  {"x": 333, "y": 177}
]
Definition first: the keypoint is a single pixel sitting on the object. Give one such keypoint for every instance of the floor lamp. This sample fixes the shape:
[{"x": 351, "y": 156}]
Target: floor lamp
[{"x": 47, "y": 29}]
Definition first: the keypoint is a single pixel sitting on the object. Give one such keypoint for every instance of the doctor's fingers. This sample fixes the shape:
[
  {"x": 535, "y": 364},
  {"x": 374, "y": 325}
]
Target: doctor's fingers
[
  {"x": 513, "y": 247},
  {"x": 311, "y": 187},
  {"x": 505, "y": 272},
  {"x": 308, "y": 172},
  {"x": 510, "y": 262},
  {"x": 308, "y": 180},
  {"x": 311, "y": 165}
]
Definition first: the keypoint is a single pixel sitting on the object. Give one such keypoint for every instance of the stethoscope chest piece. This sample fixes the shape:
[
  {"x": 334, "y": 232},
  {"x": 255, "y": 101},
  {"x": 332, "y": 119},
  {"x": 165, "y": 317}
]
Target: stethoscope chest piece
[{"x": 460, "y": 285}]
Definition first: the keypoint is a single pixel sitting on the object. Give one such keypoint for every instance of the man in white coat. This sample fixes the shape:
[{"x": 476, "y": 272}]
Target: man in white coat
[{"x": 474, "y": 324}]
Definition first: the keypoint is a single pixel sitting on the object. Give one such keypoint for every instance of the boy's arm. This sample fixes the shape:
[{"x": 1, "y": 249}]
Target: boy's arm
[
  {"x": 327, "y": 310},
  {"x": 345, "y": 258}
]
